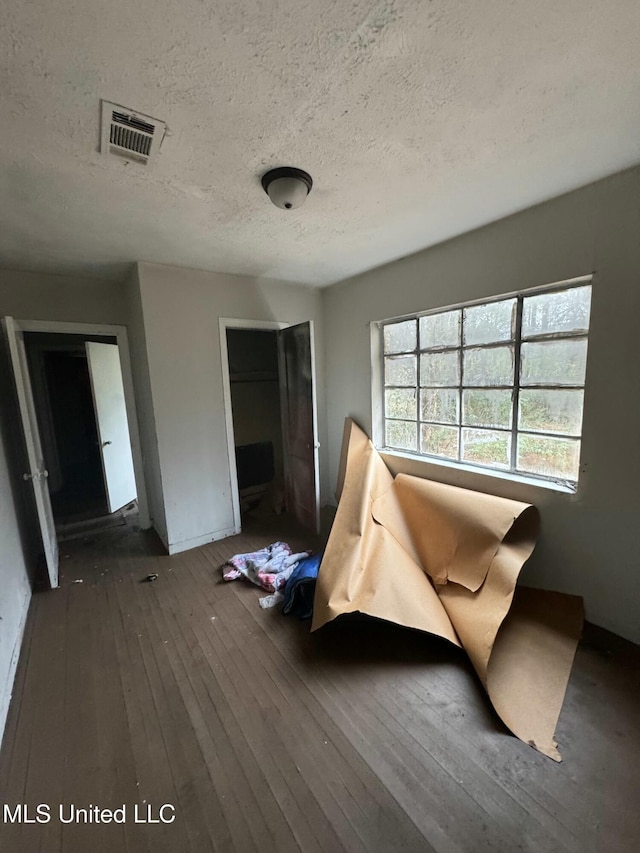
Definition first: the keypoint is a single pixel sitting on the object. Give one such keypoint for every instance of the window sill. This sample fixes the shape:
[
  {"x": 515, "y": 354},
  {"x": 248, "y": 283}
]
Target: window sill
[{"x": 489, "y": 473}]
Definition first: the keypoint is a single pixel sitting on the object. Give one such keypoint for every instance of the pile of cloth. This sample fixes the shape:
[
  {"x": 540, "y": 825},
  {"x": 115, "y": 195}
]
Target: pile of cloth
[{"x": 289, "y": 577}]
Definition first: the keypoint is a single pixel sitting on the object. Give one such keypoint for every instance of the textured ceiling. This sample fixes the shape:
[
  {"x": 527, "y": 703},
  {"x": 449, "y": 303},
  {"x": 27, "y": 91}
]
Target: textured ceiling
[{"x": 418, "y": 121}]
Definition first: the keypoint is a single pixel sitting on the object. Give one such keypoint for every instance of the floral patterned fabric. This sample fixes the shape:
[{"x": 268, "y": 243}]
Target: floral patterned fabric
[{"x": 269, "y": 568}]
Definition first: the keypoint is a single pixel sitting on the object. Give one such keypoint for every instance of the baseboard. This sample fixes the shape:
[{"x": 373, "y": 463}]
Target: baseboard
[
  {"x": 188, "y": 544},
  {"x": 7, "y": 691}
]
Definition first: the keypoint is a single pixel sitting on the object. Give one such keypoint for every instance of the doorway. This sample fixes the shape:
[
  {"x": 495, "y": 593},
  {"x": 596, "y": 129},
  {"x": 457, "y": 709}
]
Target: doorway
[
  {"x": 109, "y": 366},
  {"x": 77, "y": 395},
  {"x": 270, "y": 406},
  {"x": 257, "y": 425}
]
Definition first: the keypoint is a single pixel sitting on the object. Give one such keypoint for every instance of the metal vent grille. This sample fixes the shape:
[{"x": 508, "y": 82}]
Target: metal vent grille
[
  {"x": 129, "y": 134},
  {"x": 124, "y": 137}
]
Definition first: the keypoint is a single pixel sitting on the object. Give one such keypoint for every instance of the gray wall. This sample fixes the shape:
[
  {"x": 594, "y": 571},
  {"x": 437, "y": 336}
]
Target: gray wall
[
  {"x": 181, "y": 309},
  {"x": 144, "y": 404},
  {"x": 36, "y": 296},
  {"x": 590, "y": 542}
]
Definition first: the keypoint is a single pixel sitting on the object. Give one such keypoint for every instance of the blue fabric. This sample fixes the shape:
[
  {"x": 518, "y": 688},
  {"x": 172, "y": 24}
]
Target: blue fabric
[{"x": 300, "y": 588}]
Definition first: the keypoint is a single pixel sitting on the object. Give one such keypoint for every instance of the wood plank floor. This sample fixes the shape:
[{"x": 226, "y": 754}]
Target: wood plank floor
[{"x": 362, "y": 737}]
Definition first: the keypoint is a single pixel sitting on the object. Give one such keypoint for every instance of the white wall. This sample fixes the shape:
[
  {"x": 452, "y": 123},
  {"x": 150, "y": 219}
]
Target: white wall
[
  {"x": 590, "y": 542},
  {"x": 181, "y": 308}
]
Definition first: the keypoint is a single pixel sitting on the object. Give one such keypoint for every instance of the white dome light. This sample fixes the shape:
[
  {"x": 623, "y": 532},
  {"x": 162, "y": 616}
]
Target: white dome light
[{"x": 287, "y": 187}]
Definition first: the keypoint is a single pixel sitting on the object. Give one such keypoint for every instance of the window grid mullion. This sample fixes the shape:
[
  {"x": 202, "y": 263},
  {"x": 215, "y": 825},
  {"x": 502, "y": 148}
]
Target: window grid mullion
[
  {"x": 489, "y": 344},
  {"x": 541, "y": 387},
  {"x": 402, "y": 354},
  {"x": 506, "y": 430},
  {"x": 461, "y": 383},
  {"x": 541, "y": 337},
  {"x": 517, "y": 345},
  {"x": 439, "y": 350},
  {"x": 563, "y": 435},
  {"x": 383, "y": 383},
  {"x": 417, "y": 391},
  {"x": 538, "y": 387}
]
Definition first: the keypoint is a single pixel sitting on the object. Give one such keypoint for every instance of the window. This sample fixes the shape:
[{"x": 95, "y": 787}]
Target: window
[{"x": 498, "y": 384}]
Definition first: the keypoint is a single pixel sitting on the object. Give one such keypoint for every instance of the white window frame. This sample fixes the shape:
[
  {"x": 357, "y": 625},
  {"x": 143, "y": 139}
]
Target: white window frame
[{"x": 512, "y": 472}]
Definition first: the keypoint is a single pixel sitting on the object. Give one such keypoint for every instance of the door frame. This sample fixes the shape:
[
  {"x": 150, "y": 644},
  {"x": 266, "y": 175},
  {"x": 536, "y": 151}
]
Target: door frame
[
  {"x": 122, "y": 340},
  {"x": 260, "y": 326}
]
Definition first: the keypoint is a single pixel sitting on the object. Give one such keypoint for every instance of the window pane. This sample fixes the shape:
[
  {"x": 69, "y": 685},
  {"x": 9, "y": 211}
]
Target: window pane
[
  {"x": 440, "y": 441},
  {"x": 554, "y": 363},
  {"x": 401, "y": 370},
  {"x": 550, "y": 411},
  {"x": 400, "y": 337},
  {"x": 565, "y": 311},
  {"x": 486, "y": 447},
  {"x": 400, "y": 403},
  {"x": 487, "y": 408},
  {"x": 439, "y": 405},
  {"x": 440, "y": 330},
  {"x": 401, "y": 435},
  {"x": 491, "y": 366},
  {"x": 554, "y": 457},
  {"x": 440, "y": 368},
  {"x": 486, "y": 324}
]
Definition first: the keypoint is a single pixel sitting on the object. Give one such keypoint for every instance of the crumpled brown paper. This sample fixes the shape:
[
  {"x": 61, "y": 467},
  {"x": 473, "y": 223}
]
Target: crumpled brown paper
[{"x": 446, "y": 560}]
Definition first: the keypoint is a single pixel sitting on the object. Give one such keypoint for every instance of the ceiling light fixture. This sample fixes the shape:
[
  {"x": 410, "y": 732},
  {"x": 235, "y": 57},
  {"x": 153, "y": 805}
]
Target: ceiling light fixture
[{"x": 287, "y": 187}]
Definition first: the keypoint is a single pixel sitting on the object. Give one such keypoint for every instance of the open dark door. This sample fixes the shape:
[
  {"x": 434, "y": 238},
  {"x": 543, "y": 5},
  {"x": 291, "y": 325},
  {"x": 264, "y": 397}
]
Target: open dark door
[{"x": 299, "y": 430}]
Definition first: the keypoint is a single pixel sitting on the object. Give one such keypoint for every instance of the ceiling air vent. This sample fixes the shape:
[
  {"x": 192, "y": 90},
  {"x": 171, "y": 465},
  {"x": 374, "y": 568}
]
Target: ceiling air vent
[{"x": 129, "y": 134}]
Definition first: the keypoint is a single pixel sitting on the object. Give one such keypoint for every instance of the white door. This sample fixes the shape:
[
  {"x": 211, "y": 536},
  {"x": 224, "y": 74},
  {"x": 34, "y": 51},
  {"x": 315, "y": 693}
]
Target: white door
[
  {"x": 111, "y": 418},
  {"x": 299, "y": 423},
  {"x": 37, "y": 472}
]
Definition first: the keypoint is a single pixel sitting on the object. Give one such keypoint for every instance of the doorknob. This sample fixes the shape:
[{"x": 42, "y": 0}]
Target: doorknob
[
  {"x": 104, "y": 443},
  {"x": 39, "y": 475}
]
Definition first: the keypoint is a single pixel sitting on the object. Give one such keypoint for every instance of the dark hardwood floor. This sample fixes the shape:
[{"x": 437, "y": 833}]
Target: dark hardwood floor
[{"x": 362, "y": 737}]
